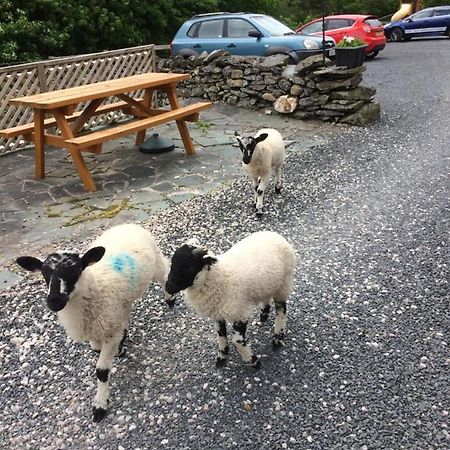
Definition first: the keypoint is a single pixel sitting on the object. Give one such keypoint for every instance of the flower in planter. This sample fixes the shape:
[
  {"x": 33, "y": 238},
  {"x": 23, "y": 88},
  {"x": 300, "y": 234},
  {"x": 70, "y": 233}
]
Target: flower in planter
[{"x": 350, "y": 42}]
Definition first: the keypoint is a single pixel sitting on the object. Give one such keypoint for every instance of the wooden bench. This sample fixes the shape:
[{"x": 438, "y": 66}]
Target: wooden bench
[
  {"x": 61, "y": 105},
  {"x": 189, "y": 113},
  {"x": 27, "y": 129}
]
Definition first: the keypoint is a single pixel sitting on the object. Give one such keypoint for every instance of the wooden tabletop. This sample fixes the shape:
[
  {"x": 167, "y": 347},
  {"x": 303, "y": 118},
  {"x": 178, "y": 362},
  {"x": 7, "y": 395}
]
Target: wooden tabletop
[{"x": 70, "y": 96}]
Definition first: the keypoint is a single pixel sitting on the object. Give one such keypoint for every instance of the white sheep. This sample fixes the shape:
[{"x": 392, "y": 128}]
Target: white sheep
[
  {"x": 93, "y": 294},
  {"x": 260, "y": 154},
  {"x": 227, "y": 288}
]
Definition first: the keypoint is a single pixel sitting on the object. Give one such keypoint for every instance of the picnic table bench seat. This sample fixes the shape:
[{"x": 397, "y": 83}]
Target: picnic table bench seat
[
  {"x": 26, "y": 129},
  {"x": 189, "y": 113}
]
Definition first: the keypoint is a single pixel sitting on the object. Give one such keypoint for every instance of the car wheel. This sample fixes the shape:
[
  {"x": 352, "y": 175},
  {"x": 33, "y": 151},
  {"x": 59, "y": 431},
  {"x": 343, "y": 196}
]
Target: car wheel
[
  {"x": 277, "y": 51},
  {"x": 372, "y": 54},
  {"x": 186, "y": 52},
  {"x": 447, "y": 32},
  {"x": 396, "y": 35}
]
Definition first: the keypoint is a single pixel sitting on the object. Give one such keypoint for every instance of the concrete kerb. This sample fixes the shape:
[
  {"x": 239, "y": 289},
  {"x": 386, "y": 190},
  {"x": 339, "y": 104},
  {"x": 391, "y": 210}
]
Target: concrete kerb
[{"x": 132, "y": 186}]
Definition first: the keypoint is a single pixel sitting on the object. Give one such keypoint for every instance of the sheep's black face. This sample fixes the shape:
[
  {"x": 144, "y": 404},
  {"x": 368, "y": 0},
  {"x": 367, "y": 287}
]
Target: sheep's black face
[
  {"x": 61, "y": 272},
  {"x": 247, "y": 145},
  {"x": 187, "y": 262}
]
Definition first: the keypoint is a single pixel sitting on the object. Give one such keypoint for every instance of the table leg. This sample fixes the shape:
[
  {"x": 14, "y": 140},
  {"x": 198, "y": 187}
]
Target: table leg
[
  {"x": 78, "y": 159},
  {"x": 39, "y": 144},
  {"x": 181, "y": 124},
  {"x": 83, "y": 170},
  {"x": 147, "y": 101}
]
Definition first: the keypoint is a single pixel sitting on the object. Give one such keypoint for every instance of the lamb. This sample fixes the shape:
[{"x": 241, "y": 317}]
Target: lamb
[
  {"x": 260, "y": 154},
  {"x": 93, "y": 294},
  {"x": 227, "y": 288}
]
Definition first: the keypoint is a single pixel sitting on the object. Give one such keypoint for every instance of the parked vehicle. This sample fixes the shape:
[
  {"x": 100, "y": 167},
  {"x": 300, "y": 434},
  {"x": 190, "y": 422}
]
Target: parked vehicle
[
  {"x": 367, "y": 28},
  {"x": 427, "y": 22},
  {"x": 244, "y": 34}
]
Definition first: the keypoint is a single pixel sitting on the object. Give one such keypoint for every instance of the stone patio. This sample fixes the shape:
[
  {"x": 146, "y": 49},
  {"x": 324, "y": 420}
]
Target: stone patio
[{"x": 131, "y": 185}]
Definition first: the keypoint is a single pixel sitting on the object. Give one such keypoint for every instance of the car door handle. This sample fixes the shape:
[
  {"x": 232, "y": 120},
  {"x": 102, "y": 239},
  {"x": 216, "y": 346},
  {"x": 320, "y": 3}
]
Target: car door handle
[
  {"x": 231, "y": 46},
  {"x": 196, "y": 46}
]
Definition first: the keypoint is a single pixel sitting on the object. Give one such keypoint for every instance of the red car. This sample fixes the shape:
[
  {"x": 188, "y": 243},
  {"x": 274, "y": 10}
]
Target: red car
[{"x": 367, "y": 28}]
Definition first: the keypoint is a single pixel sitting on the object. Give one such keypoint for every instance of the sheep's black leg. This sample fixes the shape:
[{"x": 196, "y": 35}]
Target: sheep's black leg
[
  {"x": 238, "y": 339},
  {"x": 255, "y": 184},
  {"x": 263, "y": 182},
  {"x": 278, "y": 173},
  {"x": 103, "y": 370},
  {"x": 264, "y": 313},
  {"x": 221, "y": 328},
  {"x": 280, "y": 324},
  {"x": 122, "y": 351}
]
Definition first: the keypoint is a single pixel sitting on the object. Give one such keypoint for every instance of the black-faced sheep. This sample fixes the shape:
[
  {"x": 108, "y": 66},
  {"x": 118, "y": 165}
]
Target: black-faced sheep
[
  {"x": 227, "y": 288},
  {"x": 261, "y": 154},
  {"x": 93, "y": 294}
]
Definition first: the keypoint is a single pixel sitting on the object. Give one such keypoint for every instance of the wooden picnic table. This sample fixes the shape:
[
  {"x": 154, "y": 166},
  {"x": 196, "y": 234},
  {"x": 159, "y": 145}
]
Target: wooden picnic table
[{"x": 60, "y": 106}]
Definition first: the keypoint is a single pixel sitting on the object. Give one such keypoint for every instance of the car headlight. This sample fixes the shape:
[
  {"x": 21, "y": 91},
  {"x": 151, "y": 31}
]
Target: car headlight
[{"x": 311, "y": 44}]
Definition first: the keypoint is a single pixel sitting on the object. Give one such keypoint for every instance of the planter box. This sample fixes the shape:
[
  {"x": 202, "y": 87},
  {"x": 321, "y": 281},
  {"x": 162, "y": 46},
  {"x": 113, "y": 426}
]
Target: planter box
[{"x": 350, "y": 57}]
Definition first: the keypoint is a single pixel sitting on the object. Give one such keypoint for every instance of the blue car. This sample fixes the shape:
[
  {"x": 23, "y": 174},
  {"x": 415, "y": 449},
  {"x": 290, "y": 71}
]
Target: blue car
[
  {"x": 245, "y": 34},
  {"x": 427, "y": 22}
]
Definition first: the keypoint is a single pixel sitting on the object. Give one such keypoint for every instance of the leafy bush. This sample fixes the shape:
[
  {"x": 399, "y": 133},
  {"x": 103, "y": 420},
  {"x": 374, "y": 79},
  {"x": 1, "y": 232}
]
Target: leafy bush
[{"x": 350, "y": 42}]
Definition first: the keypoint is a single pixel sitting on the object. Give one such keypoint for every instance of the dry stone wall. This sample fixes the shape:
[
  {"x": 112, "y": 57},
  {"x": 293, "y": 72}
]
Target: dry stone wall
[{"x": 312, "y": 89}]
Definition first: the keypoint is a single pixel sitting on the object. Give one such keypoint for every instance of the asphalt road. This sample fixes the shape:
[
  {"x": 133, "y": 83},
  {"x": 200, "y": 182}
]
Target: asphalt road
[{"x": 365, "y": 364}]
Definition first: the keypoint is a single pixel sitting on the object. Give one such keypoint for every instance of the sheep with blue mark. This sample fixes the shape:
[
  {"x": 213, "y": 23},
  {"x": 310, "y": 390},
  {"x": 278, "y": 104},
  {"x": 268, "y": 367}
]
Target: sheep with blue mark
[
  {"x": 261, "y": 154},
  {"x": 93, "y": 294},
  {"x": 226, "y": 288}
]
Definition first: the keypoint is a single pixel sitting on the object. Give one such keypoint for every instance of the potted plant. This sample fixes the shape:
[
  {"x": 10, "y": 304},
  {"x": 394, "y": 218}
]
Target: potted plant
[{"x": 350, "y": 52}]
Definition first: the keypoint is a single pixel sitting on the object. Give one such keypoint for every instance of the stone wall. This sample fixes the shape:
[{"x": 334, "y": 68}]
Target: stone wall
[{"x": 312, "y": 89}]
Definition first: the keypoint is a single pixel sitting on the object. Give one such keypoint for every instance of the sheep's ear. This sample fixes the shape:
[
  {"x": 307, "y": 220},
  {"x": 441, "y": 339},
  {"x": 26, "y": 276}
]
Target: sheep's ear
[
  {"x": 239, "y": 138},
  {"x": 92, "y": 256},
  {"x": 29, "y": 263},
  {"x": 209, "y": 259},
  {"x": 260, "y": 138}
]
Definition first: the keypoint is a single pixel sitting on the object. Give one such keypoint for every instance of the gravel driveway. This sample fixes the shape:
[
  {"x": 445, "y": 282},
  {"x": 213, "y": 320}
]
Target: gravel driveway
[{"x": 365, "y": 364}]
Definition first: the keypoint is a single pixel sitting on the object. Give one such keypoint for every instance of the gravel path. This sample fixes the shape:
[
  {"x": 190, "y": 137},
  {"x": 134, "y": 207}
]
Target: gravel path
[{"x": 365, "y": 362}]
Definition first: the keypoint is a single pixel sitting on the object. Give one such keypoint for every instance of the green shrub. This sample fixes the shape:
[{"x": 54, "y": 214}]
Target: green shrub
[{"x": 350, "y": 42}]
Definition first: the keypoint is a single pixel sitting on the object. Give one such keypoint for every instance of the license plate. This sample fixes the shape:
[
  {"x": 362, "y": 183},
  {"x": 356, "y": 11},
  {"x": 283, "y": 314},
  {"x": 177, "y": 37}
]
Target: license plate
[
  {"x": 379, "y": 33},
  {"x": 332, "y": 52}
]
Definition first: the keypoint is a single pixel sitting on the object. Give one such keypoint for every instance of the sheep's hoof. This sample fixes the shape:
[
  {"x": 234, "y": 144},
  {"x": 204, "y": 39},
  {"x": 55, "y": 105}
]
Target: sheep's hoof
[
  {"x": 259, "y": 214},
  {"x": 255, "y": 362},
  {"x": 96, "y": 350},
  {"x": 99, "y": 414},
  {"x": 221, "y": 362},
  {"x": 263, "y": 318},
  {"x": 277, "y": 190},
  {"x": 170, "y": 303},
  {"x": 277, "y": 343}
]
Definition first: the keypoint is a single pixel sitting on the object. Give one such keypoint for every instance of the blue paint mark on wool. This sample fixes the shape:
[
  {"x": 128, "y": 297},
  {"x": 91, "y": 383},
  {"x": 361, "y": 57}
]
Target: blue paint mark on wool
[{"x": 125, "y": 265}]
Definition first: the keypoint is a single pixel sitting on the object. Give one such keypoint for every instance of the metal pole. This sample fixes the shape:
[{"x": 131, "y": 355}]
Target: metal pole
[{"x": 324, "y": 5}]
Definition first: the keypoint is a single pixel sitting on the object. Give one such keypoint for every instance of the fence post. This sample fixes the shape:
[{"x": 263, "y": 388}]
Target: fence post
[{"x": 41, "y": 77}]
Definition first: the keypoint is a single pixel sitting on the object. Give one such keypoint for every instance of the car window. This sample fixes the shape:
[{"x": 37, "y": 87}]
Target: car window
[
  {"x": 193, "y": 30},
  {"x": 442, "y": 12},
  {"x": 210, "y": 29},
  {"x": 334, "y": 24},
  {"x": 422, "y": 14},
  {"x": 373, "y": 22},
  {"x": 272, "y": 26},
  {"x": 239, "y": 28},
  {"x": 315, "y": 27}
]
